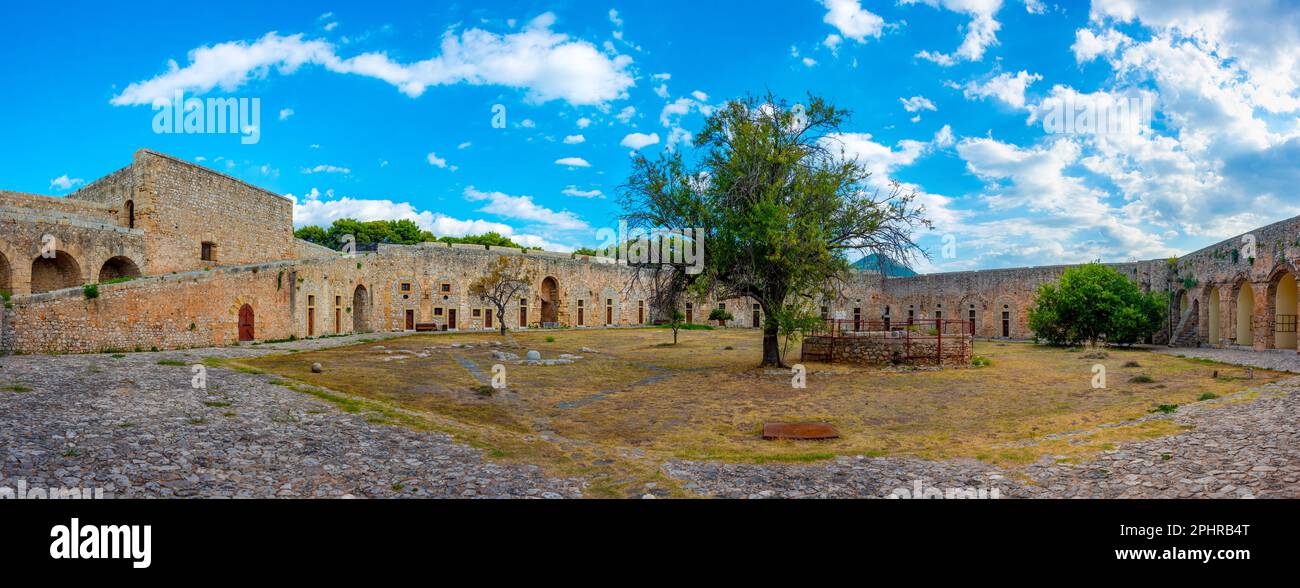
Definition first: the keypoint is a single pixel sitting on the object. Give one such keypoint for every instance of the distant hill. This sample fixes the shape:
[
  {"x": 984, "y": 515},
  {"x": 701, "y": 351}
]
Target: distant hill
[{"x": 889, "y": 268}]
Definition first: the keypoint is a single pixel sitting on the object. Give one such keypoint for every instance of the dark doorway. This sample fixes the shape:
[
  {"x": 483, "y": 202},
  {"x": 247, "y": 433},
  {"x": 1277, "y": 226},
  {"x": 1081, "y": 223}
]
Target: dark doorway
[
  {"x": 550, "y": 296},
  {"x": 410, "y": 319},
  {"x": 360, "y": 310},
  {"x": 487, "y": 318},
  {"x": 246, "y": 331},
  {"x": 1006, "y": 323},
  {"x": 451, "y": 318}
]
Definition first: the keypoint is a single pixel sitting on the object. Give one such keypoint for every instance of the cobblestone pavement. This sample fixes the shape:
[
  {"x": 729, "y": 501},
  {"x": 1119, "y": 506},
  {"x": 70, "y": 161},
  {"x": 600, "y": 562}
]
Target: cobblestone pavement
[
  {"x": 1243, "y": 446},
  {"x": 139, "y": 429}
]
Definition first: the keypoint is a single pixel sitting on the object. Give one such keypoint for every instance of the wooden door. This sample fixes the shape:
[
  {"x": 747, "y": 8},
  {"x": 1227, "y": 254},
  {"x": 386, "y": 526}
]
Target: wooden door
[
  {"x": 246, "y": 332},
  {"x": 410, "y": 320},
  {"x": 451, "y": 318}
]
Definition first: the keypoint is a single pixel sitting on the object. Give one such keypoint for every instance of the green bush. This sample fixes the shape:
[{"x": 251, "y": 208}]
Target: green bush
[
  {"x": 1094, "y": 303},
  {"x": 91, "y": 291},
  {"x": 981, "y": 362},
  {"x": 1208, "y": 396}
]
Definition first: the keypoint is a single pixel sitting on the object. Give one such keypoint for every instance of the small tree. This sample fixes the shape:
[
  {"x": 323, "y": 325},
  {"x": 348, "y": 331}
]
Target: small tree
[
  {"x": 721, "y": 315},
  {"x": 1095, "y": 303},
  {"x": 676, "y": 321},
  {"x": 795, "y": 320},
  {"x": 504, "y": 282}
]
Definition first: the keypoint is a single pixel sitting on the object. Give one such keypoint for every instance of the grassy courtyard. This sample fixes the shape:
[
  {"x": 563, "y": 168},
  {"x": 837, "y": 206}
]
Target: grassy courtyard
[{"x": 616, "y": 414}]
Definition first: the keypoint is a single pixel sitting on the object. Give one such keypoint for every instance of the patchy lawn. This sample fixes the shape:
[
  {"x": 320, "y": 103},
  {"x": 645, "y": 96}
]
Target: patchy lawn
[{"x": 616, "y": 414}]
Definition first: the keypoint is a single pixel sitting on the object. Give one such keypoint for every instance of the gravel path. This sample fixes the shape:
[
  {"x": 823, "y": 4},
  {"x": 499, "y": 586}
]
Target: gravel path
[{"x": 139, "y": 429}]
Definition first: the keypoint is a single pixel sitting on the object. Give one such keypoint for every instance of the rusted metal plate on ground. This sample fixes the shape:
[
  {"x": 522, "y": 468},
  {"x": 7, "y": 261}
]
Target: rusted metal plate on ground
[{"x": 799, "y": 431}]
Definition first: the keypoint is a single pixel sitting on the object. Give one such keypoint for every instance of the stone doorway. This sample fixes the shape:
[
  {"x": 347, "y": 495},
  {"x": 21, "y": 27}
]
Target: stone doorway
[
  {"x": 360, "y": 310},
  {"x": 550, "y": 295},
  {"x": 246, "y": 329}
]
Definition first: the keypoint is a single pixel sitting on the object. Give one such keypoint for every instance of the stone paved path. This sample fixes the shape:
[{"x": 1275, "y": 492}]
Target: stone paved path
[
  {"x": 1243, "y": 446},
  {"x": 1285, "y": 361},
  {"x": 138, "y": 429}
]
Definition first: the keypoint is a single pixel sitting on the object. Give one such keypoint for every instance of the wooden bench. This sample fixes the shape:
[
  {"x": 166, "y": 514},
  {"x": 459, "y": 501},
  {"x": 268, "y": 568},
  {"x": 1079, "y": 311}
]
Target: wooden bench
[{"x": 429, "y": 328}]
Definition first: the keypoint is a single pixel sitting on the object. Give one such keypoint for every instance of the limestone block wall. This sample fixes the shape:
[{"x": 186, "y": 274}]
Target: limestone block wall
[
  {"x": 181, "y": 206},
  {"x": 80, "y": 249},
  {"x": 1236, "y": 295},
  {"x": 957, "y": 350}
]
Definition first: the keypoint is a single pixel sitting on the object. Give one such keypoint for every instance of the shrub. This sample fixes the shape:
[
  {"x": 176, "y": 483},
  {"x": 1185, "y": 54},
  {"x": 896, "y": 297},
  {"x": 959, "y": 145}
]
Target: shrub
[
  {"x": 980, "y": 362},
  {"x": 1132, "y": 364},
  {"x": 1094, "y": 303},
  {"x": 1208, "y": 396},
  {"x": 1166, "y": 408},
  {"x": 91, "y": 291},
  {"x": 550, "y": 339},
  {"x": 720, "y": 314},
  {"x": 1142, "y": 379}
]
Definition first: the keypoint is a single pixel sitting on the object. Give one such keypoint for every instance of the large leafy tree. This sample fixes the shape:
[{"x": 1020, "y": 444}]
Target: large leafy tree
[
  {"x": 780, "y": 204},
  {"x": 398, "y": 232},
  {"x": 1094, "y": 303}
]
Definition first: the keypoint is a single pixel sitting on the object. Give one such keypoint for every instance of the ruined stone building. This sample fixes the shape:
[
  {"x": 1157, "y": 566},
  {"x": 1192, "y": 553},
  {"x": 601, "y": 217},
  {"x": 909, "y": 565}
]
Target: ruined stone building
[{"x": 182, "y": 256}]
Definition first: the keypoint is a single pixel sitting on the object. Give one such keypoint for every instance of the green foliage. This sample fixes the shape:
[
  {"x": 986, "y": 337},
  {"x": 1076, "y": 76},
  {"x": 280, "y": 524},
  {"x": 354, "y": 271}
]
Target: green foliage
[
  {"x": 5, "y": 295},
  {"x": 1166, "y": 409},
  {"x": 783, "y": 206},
  {"x": 675, "y": 322},
  {"x": 980, "y": 361},
  {"x": 720, "y": 314},
  {"x": 1208, "y": 396},
  {"x": 1094, "y": 303},
  {"x": 795, "y": 320},
  {"x": 91, "y": 291}
]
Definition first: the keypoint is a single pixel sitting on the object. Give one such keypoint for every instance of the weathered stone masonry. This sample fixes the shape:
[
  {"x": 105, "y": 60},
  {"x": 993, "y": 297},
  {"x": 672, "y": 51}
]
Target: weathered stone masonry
[{"x": 213, "y": 261}]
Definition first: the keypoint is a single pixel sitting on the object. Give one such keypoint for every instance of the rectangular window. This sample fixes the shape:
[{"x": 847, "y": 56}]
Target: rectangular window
[
  {"x": 406, "y": 286},
  {"x": 444, "y": 288},
  {"x": 208, "y": 251},
  {"x": 437, "y": 311},
  {"x": 478, "y": 312}
]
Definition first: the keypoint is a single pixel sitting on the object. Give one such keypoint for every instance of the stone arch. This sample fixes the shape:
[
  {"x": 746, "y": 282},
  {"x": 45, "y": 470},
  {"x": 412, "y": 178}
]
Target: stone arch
[
  {"x": 549, "y": 294},
  {"x": 1283, "y": 308},
  {"x": 360, "y": 310},
  {"x": 247, "y": 324},
  {"x": 1243, "y": 311},
  {"x": 55, "y": 273},
  {"x": 1214, "y": 316},
  {"x": 117, "y": 267},
  {"x": 6, "y": 275}
]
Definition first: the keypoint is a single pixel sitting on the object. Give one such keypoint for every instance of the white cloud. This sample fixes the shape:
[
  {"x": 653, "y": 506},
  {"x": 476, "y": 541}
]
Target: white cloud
[
  {"x": 809, "y": 62},
  {"x": 614, "y": 18},
  {"x": 573, "y": 162},
  {"x": 576, "y": 193},
  {"x": 624, "y": 116},
  {"x": 63, "y": 182},
  {"x": 917, "y": 103},
  {"x": 981, "y": 31},
  {"x": 546, "y": 65},
  {"x": 465, "y": 145},
  {"x": 286, "y": 113},
  {"x": 523, "y": 208},
  {"x": 436, "y": 161},
  {"x": 574, "y": 139},
  {"x": 326, "y": 169},
  {"x": 852, "y": 21},
  {"x": 1005, "y": 87},
  {"x": 662, "y": 91},
  {"x": 1089, "y": 45},
  {"x": 640, "y": 141},
  {"x": 583, "y": 122},
  {"x": 311, "y": 210}
]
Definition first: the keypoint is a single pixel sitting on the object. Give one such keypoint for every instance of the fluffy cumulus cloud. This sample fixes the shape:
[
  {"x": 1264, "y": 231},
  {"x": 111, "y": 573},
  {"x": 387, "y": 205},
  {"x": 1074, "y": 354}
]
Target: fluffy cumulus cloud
[
  {"x": 546, "y": 65},
  {"x": 523, "y": 208},
  {"x": 1006, "y": 87},
  {"x": 640, "y": 141},
  {"x": 64, "y": 182},
  {"x": 981, "y": 31},
  {"x": 573, "y": 162},
  {"x": 577, "y": 193},
  {"x": 852, "y": 21},
  {"x": 311, "y": 209}
]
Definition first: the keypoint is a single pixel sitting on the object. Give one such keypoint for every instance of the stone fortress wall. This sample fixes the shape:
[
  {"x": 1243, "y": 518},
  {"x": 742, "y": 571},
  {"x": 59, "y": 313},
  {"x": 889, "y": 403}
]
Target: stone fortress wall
[{"x": 213, "y": 261}]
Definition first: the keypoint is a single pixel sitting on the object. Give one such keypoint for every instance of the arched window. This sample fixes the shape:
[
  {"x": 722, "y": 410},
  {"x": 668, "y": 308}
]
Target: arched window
[{"x": 129, "y": 211}]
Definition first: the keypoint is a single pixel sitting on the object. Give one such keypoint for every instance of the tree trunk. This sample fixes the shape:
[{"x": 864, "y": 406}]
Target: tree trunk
[{"x": 771, "y": 347}]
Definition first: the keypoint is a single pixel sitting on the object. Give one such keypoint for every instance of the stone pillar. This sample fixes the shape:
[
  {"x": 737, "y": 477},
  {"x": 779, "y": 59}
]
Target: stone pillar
[{"x": 1262, "y": 319}]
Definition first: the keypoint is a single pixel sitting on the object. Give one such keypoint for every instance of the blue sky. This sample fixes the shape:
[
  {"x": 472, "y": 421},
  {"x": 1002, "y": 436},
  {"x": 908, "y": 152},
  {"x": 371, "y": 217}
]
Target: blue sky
[{"x": 385, "y": 109}]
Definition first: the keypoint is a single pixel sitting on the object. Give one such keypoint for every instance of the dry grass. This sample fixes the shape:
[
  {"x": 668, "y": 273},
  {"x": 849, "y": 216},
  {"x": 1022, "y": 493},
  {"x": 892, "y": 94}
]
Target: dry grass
[{"x": 620, "y": 412}]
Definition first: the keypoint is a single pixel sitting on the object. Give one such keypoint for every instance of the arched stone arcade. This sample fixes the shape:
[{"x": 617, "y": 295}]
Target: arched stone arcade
[
  {"x": 360, "y": 310},
  {"x": 118, "y": 267},
  {"x": 56, "y": 272}
]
